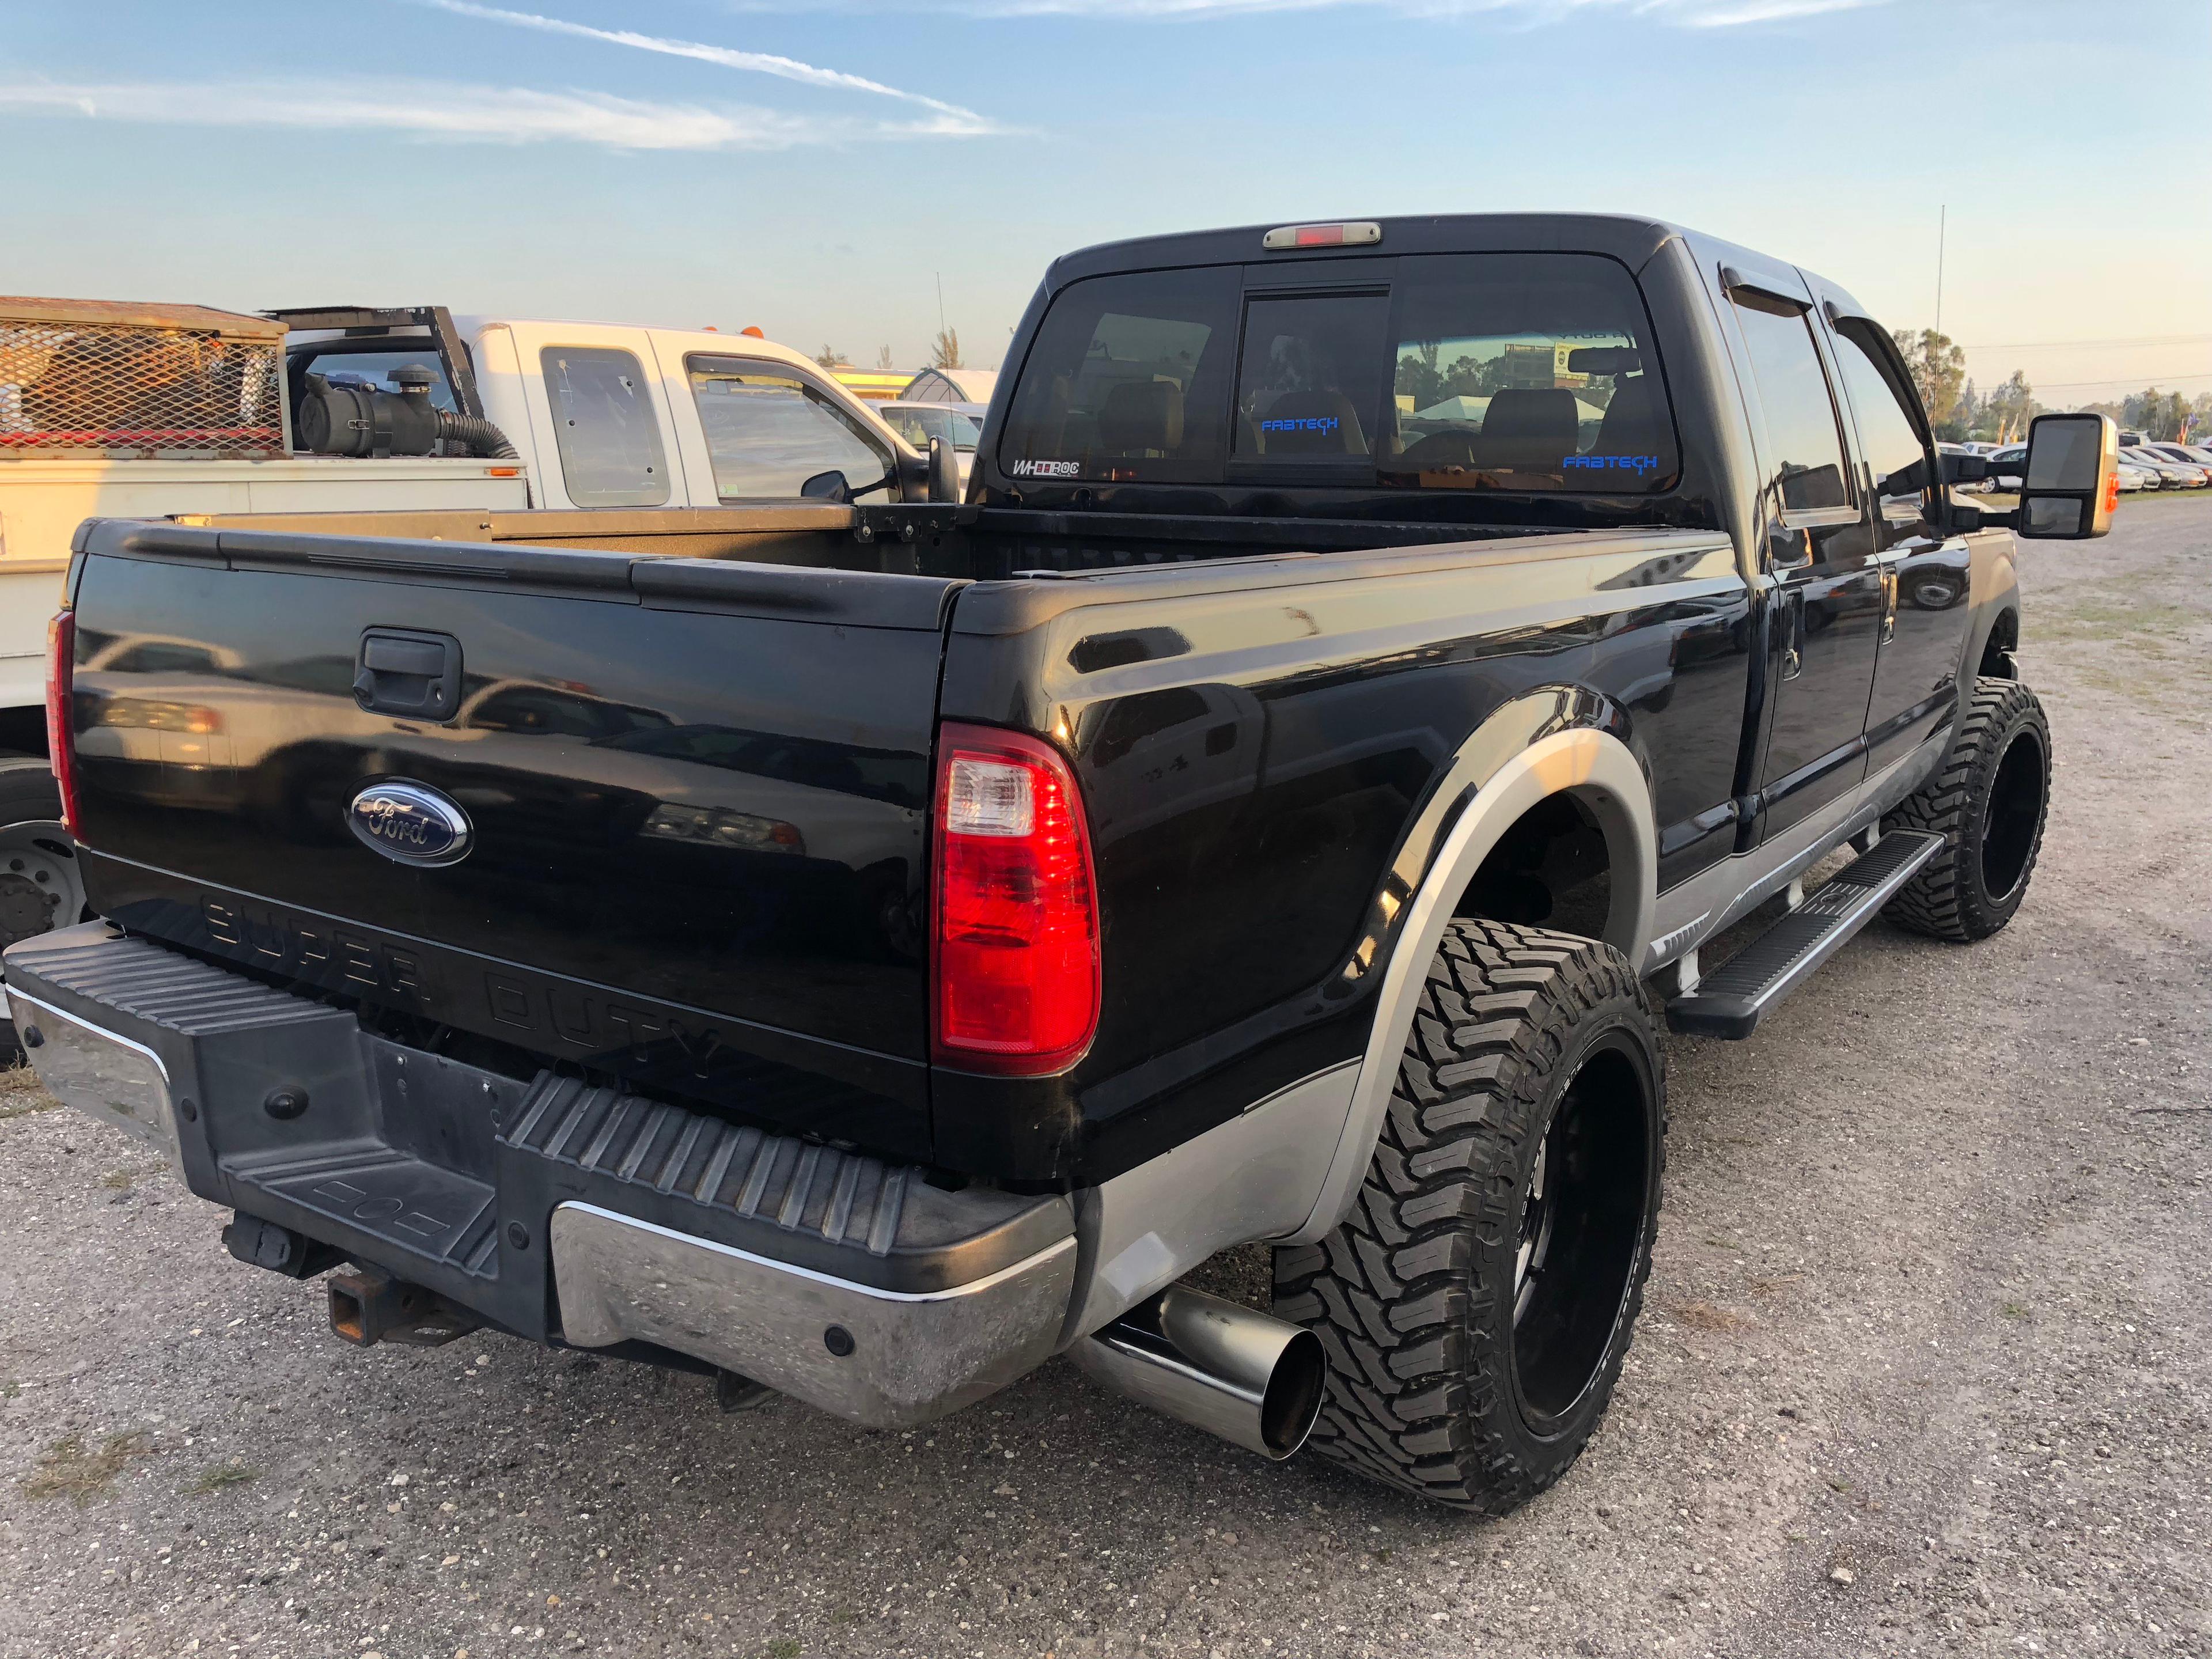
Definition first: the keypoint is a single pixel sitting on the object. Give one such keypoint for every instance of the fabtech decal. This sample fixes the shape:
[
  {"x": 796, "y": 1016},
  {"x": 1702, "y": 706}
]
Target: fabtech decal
[
  {"x": 1044, "y": 469},
  {"x": 1307, "y": 423},
  {"x": 1639, "y": 464}
]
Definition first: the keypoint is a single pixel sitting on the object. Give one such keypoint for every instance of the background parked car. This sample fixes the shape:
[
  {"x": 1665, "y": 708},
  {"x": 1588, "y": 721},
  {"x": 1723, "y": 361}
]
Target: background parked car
[
  {"x": 870, "y": 386},
  {"x": 2173, "y": 474},
  {"x": 953, "y": 385},
  {"x": 2193, "y": 454},
  {"x": 2132, "y": 476},
  {"x": 960, "y": 425},
  {"x": 1978, "y": 487}
]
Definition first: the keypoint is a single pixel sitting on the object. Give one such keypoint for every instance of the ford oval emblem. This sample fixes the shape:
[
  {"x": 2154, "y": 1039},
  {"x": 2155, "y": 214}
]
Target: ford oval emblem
[{"x": 411, "y": 823}]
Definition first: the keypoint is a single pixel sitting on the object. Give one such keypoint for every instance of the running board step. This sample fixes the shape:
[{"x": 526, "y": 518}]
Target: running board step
[{"x": 1749, "y": 985}]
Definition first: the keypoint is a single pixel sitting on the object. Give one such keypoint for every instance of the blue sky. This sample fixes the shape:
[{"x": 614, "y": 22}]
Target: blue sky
[{"x": 814, "y": 165}]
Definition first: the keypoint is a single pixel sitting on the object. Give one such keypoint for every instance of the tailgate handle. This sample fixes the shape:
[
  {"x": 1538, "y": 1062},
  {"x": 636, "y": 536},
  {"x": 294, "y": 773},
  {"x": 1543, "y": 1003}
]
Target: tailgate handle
[{"x": 415, "y": 676}]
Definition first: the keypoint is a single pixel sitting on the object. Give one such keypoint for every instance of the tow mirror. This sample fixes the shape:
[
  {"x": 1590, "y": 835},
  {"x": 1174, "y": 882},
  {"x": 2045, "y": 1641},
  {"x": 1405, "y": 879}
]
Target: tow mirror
[
  {"x": 943, "y": 472},
  {"x": 2070, "y": 480},
  {"x": 827, "y": 486}
]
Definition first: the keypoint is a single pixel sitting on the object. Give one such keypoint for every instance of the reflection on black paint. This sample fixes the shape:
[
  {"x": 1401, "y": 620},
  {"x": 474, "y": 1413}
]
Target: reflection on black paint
[{"x": 780, "y": 880}]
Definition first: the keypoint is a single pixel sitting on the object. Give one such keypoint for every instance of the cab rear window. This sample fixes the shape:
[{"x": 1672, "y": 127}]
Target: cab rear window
[
  {"x": 1515, "y": 372},
  {"x": 1128, "y": 380},
  {"x": 1525, "y": 372}
]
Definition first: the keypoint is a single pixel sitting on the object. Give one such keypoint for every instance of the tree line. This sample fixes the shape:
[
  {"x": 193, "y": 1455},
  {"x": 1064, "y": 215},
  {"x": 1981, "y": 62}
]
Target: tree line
[
  {"x": 1961, "y": 413},
  {"x": 944, "y": 353}
]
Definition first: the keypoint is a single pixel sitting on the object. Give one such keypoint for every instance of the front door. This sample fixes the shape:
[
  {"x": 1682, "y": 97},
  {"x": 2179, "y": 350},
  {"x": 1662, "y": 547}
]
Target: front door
[
  {"x": 1826, "y": 602},
  {"x": 1925, "y": 570}
]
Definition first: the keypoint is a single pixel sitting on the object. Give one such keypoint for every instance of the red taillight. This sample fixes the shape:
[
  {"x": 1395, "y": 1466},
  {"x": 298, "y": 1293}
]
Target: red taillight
[
  {"x": 1015, "y": 939},
  {"x": 61, "y": 679}
]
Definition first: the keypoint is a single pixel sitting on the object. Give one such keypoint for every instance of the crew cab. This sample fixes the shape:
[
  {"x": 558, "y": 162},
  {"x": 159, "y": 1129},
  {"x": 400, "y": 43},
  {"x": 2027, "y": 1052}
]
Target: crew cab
[{"x": 864, "y": 950}]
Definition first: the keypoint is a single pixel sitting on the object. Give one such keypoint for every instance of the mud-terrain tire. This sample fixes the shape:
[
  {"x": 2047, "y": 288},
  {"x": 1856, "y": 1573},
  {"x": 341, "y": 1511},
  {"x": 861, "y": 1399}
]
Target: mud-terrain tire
[
  {"x": 1988, "y": 802},
  {"x": 40, "y": 887},
  {"x": 1453, "y": 1373}
]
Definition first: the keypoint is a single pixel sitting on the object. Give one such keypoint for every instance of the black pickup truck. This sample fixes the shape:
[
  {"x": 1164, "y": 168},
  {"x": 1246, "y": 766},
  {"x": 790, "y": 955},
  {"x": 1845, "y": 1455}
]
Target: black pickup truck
[{"x": 861, "y": 952}]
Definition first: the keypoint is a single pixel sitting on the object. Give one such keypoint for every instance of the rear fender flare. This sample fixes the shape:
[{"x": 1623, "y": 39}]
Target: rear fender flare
[{"x": 1485, "y": 796}]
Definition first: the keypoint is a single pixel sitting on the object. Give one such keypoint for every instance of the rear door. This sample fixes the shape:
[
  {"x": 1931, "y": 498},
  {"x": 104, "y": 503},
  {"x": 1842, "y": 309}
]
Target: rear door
[
  {"x": 1827, "y": 604},
  {"x": 598, "y": 416}
]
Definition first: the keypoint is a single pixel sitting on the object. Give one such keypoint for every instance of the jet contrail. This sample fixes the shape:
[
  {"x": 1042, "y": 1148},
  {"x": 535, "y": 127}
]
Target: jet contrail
[{"x": 760, "y": 63}]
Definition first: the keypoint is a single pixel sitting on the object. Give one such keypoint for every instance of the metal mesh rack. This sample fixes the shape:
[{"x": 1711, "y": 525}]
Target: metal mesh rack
[{"x": 104, "y": 378}]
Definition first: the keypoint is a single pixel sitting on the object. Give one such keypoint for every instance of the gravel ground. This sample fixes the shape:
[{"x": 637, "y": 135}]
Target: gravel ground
[{"x": 1927, "y": 1365}]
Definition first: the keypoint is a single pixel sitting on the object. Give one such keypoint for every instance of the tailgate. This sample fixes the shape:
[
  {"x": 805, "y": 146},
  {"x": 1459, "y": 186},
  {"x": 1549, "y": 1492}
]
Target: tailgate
[{"x": 692, "y": 797}]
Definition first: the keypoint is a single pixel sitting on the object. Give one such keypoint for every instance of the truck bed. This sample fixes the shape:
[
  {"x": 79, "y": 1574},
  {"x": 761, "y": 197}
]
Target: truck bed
[
  {"x": 966, "y": 544},
  {"x": 700, "y": 784}
]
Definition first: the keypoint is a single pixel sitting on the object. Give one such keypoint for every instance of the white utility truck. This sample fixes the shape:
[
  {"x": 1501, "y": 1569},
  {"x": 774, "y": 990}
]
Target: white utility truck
[{"x": 110, "y": 409}]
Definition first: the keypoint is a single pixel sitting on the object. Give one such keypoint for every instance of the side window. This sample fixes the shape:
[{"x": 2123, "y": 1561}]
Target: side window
[
  {"x": 918, "y": 426},
  {"x": 1128, "y": 381},
  {"x": 604, "y": 427},
  {"x": 770, "y": 430},
  {"x": 1804, "y": 443},
  {"x": 1893, "y": 446},
  {"x": 1310, "y": 385}
]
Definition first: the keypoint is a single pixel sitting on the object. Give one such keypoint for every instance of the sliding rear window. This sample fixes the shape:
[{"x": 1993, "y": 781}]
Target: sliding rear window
[
  {"x": 1525, "y": 372},
  {"x": 1512, "y": 372}
]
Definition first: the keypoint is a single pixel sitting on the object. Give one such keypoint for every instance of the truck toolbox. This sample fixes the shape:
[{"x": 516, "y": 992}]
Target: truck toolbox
[{"x": 550, "y": 1209}]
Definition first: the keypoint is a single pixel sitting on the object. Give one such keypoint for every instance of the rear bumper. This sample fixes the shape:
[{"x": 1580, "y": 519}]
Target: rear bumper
[
  {"x": 925, "y": 1352},
  {"x": 557, "y": 1211},
  {"x": 100, "y": 1072}
]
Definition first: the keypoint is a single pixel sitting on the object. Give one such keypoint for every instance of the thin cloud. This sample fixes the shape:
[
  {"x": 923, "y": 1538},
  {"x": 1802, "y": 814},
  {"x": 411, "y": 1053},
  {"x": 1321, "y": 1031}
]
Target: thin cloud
[
  {"x": 1708, "y": 16},
  {"x": 501, "y": 115},
  {"x": 1684, "y": 13},
  {"x": 759, "y": 62}
]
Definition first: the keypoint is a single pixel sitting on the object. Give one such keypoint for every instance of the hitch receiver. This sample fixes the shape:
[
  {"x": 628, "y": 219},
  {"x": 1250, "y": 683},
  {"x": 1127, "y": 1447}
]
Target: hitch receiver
[
  {"x": 369, "y": 1306},
  {"x": 261, "y": 1243}
]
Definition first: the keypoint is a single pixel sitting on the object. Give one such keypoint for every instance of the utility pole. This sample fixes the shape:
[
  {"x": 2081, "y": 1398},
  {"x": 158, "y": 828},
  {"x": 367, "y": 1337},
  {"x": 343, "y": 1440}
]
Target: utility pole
[
  {"x": 940, "y": 302},
  {"x": 1942, "y": 227}
]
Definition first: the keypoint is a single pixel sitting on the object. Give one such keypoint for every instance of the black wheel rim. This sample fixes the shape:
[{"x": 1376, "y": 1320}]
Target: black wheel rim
[
  {"x": 1583, "y": 1219},
  {"x": 2014, "y": 815}
]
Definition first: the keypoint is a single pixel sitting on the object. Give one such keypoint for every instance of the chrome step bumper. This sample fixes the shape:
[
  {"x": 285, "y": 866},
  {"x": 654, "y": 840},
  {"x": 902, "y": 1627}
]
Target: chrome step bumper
[
  {"x": 122, "y": 1083},
  {"x": 885, "y": 1358},
  {"x": 556, "y": 1211}
]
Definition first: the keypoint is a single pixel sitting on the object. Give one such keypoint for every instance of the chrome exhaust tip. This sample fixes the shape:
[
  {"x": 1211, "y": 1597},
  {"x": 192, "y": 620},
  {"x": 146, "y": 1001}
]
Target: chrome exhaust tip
[{"x": 1255, "y": 1380}]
